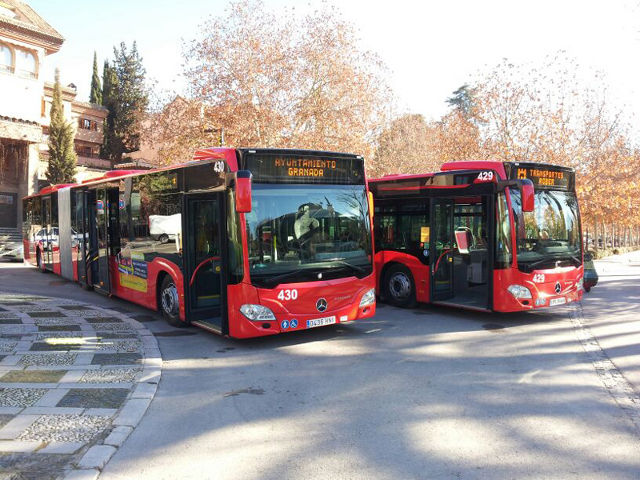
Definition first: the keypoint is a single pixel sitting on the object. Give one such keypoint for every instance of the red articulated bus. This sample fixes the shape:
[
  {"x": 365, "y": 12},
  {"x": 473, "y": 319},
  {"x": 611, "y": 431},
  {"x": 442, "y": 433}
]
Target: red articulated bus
[
  {"x": 481, "y": 235},
  {"x": 242, "y": 242}
]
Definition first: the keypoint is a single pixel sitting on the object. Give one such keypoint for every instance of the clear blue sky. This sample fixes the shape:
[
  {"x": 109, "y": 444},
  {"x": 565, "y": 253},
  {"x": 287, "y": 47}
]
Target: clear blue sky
[{"x": 432, "y": 47}]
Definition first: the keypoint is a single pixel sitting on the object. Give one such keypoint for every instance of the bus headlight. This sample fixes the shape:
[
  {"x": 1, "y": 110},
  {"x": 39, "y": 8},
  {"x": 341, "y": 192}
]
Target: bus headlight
[
  {"x": 257, "y": 313},
  {"x": 580, "y": 283},
  {"x": 518, "y": 291},
  {"x": 368, "y": 298}
]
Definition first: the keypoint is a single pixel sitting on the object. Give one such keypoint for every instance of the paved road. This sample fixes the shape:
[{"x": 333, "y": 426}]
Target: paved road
[
  {"x": 425, "y": 393},
  {"x": 613, "y": 313}
]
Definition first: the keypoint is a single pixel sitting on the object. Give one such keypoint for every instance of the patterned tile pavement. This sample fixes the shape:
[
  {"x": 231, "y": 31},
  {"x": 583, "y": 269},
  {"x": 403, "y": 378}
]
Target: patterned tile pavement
[{"x": 75, "y": 379}]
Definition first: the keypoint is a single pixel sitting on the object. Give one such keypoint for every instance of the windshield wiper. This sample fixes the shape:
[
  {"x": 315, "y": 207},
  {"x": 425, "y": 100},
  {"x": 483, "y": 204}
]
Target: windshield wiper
[
  {"x": 577, "y": 260},
  {"x": 533, "y": 265},
  {"x": 277, "y": 280},
  {"x": 341, "y": 262}
]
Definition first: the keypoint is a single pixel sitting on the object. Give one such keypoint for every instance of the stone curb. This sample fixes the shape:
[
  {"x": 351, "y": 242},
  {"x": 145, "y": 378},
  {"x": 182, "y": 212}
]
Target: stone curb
[{"x": 88, "y": 457}]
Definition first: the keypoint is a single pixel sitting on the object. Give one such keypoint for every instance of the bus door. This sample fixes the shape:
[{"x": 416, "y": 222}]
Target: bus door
[
  {"x": 81, "y": 236},
  {"x": 103, "y": 220},
  {"x": 461, "y": 251},
  {"x": 203, "y": 260},
  {"x": 46, "y": 234}
]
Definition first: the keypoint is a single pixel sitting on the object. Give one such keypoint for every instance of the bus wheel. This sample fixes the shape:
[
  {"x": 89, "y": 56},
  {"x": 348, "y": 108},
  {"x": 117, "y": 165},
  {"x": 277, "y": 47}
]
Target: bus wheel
[
  {"x": 399, "y": 287},
  {"x": 169, "y": 302}
]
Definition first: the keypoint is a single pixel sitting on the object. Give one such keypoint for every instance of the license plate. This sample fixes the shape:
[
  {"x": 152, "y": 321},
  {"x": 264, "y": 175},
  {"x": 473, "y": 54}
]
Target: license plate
[
  {"x": 557, "y": 301},
  {"x": 320, "y": 322}
]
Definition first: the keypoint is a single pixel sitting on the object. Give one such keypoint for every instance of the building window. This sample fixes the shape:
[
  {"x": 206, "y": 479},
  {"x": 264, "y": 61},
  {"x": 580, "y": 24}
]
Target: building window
[
  {"x": 27, "y": 66},
  {"x": 6, "y": 58},
  {"x": 84, "y": 151},
  {"x": 87, "y": 124}
]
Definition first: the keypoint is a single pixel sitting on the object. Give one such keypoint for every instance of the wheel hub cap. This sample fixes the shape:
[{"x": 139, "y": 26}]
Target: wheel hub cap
[
  {"x": 170, "y": 299},
  {"x": 400, "y": 286}
]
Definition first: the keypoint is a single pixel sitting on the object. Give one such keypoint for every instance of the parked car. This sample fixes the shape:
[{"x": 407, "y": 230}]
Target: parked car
[
  {"x": 165, "y": 227},
  {"x": 590, "y": 274}
]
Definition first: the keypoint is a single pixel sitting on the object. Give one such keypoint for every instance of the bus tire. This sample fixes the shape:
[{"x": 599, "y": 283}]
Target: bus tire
[
  {"x": 169, "y": 302},
  {"x": 399, "y": 287}
]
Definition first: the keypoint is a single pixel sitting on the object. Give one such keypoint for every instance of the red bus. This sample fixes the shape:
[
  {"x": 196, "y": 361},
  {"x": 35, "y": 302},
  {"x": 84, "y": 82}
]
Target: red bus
[
  {"x": 482, "y": 235},
  {"x": 242, "y": 242}
]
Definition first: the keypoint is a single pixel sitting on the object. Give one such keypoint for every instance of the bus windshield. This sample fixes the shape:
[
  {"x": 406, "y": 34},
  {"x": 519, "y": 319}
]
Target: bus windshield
[
  {"x": 550, "y": 235},
  {"x": 300, "y": 233}
]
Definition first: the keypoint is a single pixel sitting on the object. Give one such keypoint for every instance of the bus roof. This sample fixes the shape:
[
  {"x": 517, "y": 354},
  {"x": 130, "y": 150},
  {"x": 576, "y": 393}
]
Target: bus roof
[
  {"x": 448, "y": 167},
  {"x": 51, "y": 189},
  {"x": 494, "y": 165},
  {"x": 297, "y": 152},
  {"x": 400, "y": 176}
]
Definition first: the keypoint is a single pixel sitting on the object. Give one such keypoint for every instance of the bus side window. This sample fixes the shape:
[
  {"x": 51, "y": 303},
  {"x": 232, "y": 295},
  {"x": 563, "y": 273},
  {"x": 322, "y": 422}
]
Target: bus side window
[
  {"x": 114, "y": 220},
  {"x": 385, "y": 226},
  {"x": 138, "y": 211},
  {"x": 410, "y": 229}
]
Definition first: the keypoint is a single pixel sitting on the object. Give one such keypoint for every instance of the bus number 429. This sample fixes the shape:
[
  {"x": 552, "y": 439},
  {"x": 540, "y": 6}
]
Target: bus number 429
[{"x": 485, "y": 176}]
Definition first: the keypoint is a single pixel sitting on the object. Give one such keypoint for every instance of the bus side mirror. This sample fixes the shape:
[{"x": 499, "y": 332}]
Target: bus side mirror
[
  {"x": 243, "y": 191},
  {"x": 527, "y": 195}
]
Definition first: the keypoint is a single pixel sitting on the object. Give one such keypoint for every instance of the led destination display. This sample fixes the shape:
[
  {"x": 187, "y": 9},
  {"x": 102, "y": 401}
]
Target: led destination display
[
  {"x": 544, "y": 176},
  {"x": 305, "y": 167},
  {"x": 285, "y": 169}
]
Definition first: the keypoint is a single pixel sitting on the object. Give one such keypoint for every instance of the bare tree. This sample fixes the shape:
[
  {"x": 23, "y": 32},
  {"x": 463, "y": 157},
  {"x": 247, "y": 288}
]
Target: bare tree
[{"x": 278, "y": 81}]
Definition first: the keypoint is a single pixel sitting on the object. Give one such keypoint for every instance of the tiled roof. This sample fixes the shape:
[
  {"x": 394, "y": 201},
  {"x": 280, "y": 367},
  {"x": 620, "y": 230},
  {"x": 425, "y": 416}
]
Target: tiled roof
[
  {"x": 18, "y": 120},
  {"x": 95, "y": 106},
  {"x": 27, "y": 21}
]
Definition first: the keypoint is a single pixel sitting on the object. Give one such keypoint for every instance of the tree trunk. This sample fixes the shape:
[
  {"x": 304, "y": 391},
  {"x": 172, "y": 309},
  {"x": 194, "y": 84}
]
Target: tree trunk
[{"x": 613, "y": 235}]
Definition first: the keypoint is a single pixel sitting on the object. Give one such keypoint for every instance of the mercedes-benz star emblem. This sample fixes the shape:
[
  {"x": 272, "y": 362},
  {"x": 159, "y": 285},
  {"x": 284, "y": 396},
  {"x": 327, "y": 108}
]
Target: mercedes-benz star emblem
[
  {"x": 558, "y": 287},
  {"x": 321, "y": 304}
]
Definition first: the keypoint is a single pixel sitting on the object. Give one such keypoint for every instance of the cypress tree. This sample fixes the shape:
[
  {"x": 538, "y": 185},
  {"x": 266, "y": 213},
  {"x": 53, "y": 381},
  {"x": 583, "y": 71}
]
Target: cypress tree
[
  {"x": 96, "y": 89},
  {"x": 132, "y": 96},
  {"x": 62, "y": 157},
  {"x": 125, "y": 95},
  {"x": 111, "y": 147}
]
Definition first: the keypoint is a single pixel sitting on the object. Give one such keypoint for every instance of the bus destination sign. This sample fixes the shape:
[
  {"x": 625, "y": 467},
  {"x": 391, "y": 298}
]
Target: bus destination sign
[
  {"x": 305, "y": 167},
  {"x": 544, "y": 176},
  {"x": 293, "y": 169}
]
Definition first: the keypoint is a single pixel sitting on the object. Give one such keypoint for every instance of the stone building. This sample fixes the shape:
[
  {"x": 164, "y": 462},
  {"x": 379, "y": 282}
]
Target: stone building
[{"x": 26, "y": 39}]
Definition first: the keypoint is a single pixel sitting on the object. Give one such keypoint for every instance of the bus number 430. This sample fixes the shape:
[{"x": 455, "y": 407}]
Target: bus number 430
[{"x": 288, "y": 294}]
